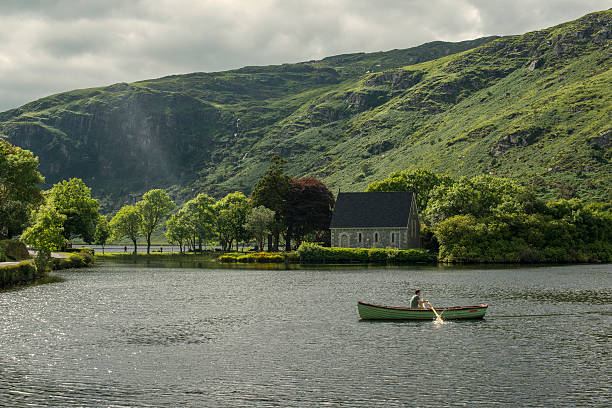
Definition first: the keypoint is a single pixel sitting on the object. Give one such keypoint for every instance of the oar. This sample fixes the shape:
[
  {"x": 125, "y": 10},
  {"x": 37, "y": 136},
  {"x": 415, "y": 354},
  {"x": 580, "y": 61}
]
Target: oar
[{"x": 434, "y": 310}]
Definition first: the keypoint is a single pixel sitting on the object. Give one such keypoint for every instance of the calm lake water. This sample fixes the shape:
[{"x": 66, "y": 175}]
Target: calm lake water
[{"x": 140, "y": 336}]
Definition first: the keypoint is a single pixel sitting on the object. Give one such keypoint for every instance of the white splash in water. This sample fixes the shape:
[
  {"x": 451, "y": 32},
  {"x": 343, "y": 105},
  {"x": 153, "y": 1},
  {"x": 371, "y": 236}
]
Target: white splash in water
[{"x": 439, "y": 320}]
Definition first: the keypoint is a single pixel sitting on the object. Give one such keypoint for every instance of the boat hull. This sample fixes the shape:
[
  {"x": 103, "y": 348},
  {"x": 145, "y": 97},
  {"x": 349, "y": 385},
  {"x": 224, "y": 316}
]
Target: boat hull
[{"x": 369, "y": 311}]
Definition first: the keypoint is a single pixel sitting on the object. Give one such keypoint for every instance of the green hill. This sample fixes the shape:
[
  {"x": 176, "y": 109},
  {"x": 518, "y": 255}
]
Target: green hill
[{"x": 535, "y": 107}]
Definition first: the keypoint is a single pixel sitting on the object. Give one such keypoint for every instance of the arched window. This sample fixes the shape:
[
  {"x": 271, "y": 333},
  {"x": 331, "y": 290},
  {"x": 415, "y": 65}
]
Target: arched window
[
  {"x": 376, "y": 237},
  {"x": 393, "y": 237},
  {"x": 344, "y": 241},
  {"x": 359, "y": 237}
]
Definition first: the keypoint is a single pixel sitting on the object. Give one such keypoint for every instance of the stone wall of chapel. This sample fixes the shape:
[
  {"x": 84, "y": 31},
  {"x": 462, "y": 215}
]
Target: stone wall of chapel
[{"x": 404, "y": 238}]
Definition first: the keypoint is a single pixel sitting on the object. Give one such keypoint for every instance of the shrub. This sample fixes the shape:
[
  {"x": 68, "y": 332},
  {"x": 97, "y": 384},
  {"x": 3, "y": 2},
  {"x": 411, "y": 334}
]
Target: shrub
[
  {"x": 226, "y": 258},
  {"x": 14, "y": 250},
  {"x": 74, "y": 260},
  {"x": 260, "y": 257},
  {"x": 312, "y": 253},
  {"x": 2, "y": 257}
]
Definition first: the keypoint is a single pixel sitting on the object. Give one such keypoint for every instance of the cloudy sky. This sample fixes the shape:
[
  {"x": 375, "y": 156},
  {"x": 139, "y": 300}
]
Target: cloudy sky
[{"x": 49, "y": 46}]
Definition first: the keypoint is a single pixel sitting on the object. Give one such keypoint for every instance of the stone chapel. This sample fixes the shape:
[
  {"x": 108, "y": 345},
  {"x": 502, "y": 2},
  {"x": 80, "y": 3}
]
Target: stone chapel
[{"x": 375, "y": 220}]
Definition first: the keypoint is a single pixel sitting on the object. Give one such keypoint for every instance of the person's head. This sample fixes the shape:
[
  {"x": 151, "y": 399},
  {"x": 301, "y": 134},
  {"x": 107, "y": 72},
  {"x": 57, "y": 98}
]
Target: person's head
[{"x": 417, "y": 292}]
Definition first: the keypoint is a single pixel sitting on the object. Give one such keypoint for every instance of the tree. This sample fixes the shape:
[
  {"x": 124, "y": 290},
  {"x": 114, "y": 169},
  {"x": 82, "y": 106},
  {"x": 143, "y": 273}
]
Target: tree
[
  {"x": 103, "y": 232},
  {"x": 258, "y": 222},
  {"x": 45, "y": 234},
  {"x": 126, "y": 223},
  {"x": 178, "y": 230},
  {"x": 153, "y": 208},
  {"x": 420, "y": 181},
  {"x": 308, "y": 209},
  {"x": 478, "y": 196},
  {"x": 19, "y": 188},
  {"x": 73, "y": 199},
  {"x": 231, "y": 215},
  {"x": 200, "y": 217},
  {"x": 272, "y": 191}
]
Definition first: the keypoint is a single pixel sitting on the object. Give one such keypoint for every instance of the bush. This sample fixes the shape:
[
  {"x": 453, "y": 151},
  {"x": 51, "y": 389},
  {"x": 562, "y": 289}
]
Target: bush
[
  {"x": 312, "y": 253},
  {"x": 23, "y": 272},
  {"x": 14, "y": 250},
  {"x": 74, "y": 260},
  {"x": 260, "y": 257},
  {"x": 2, "y": 257}
]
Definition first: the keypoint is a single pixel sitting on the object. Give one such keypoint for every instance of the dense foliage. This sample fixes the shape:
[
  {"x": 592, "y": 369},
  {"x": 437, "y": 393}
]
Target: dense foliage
[
  {"x": 272, "y": 192},
  {"x": 257, "y": 257},
  {"x": 72, "y": 199},
  {"x": 46, "y": 233},
  {"x": 103, "y": 232},
  {"x": 259, "y": 223},
  {"x": 194, "y": 223},
  {"x": 231, "y": 213},
  {"x": 13, "y": 250},
  {"x": 490, "y": 219},
  {"x": 19, "y": 188},
  {"x": 126, "y": 223},
  {"x": 308, "y": 209},
  {"x": 313, "y": 253},
  {"x": 154, "y": 207}
]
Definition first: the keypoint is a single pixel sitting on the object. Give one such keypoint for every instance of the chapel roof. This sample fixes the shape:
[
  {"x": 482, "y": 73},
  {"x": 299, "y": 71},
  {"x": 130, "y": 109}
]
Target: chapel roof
[{"x": 372, "y": 210}]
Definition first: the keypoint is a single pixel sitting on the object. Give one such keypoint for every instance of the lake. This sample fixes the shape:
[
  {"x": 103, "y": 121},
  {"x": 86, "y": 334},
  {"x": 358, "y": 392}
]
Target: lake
[{"x": 132, "y": 335}]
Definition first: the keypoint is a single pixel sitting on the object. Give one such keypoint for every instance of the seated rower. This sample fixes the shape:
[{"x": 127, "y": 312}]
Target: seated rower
[{"x": 416, "y": 301}]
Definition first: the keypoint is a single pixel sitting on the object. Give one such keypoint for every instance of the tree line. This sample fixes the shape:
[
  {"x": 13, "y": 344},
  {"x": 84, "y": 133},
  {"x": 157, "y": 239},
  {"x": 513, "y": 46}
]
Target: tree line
[
  {"x": 492, "y": 219},
  {"x": 293, "y": 208},
  {"x": 477, "y": 219}
]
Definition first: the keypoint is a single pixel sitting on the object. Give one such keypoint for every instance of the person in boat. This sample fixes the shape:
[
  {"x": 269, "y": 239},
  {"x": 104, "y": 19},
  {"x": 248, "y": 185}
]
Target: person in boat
[{"x": 416, "y": 301}]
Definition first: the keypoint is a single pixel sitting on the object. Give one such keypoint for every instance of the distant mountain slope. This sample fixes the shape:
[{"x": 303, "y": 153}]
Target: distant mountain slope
[
  {"x": 536, "y": 107},
  {"x": 178, "y": 130}
]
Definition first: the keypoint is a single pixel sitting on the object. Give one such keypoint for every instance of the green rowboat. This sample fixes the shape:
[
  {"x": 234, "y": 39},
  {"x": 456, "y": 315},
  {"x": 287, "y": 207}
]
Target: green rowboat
[{"x": 375, "y": 312}]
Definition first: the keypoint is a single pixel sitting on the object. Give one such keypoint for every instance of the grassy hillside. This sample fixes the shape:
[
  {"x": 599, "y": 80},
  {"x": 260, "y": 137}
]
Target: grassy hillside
[{"x": 536, "y": 107}]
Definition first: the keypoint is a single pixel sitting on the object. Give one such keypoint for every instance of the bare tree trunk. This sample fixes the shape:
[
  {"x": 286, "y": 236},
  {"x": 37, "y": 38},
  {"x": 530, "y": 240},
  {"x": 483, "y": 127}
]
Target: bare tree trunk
[{"x": 288, "y": 239}]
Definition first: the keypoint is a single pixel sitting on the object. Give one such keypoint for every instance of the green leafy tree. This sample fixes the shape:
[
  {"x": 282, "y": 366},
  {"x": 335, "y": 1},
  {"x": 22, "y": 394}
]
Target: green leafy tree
[
  {"x": 259, "y": 222},
  {"x": 272, "y": 191},
  {"x": 153, "y": 208},
  {"x": 200, "y": 216},
  {"x": 72, "y": 198},
  {"x": 420, "y": 181},
  {"x": 478, "y": 196},
  {"x": 231, "y": 215},
  {"x": 178, "y": 230},
  {"x": 45, "y": 234},
  {"x": 103, "y": 232},
  {"x": 19, "y": 188},
  {"x": 126, "y": 223}
]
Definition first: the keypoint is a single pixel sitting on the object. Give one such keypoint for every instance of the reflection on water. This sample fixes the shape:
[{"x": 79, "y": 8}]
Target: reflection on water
[{"x": 170, "y": 335}]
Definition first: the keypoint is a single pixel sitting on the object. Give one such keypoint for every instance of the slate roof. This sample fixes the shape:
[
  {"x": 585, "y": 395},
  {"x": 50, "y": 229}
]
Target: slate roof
[{"x": 371, "y": 210}]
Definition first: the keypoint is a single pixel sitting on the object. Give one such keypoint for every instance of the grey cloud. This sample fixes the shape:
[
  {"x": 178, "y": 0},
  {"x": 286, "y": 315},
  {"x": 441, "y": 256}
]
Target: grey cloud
[
  {"x": 50, "y": 46},
  {"x": 520, "y": 16}
]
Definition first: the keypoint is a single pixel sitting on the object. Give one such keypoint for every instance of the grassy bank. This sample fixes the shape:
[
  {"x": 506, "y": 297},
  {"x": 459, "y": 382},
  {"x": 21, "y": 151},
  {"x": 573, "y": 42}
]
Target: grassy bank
[
  {"x": 165, "y": 256},
  {"x": 20, "y": 273}
]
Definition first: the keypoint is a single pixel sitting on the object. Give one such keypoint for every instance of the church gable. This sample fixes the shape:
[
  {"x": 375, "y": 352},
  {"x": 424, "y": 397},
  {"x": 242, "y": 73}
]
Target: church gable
[
  {"x": 375, "y": 220},
  {"x": 372, "y": 210}
]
